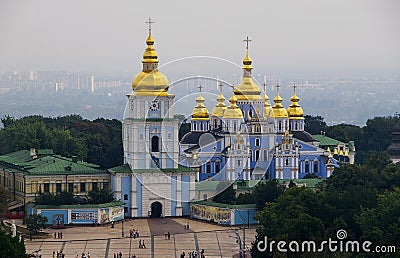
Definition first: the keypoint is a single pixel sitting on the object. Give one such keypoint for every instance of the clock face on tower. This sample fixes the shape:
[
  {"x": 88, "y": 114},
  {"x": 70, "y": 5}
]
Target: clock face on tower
[{"x": 154, "y": 105}]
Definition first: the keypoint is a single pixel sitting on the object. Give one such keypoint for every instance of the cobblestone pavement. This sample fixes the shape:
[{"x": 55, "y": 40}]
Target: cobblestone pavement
[{"x": 104, "y": 241}]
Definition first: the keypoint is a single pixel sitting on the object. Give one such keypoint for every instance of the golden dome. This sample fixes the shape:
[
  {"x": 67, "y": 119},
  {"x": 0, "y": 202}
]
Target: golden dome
[
  {"x": 233, "y": 111},
  {"x": 220, "y": 108},
  {"x": 267, "y": 107},
  {"x": 294, "y": 110},
  {"x": 150, "y": 81},
  {"x": 247, "y": 89},
  {"x": 278, "y": 110},
  {"x": 200, "y": 112}
]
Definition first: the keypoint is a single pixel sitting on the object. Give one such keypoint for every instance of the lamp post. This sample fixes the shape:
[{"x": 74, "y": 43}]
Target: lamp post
[{"x": 122, "y": 228}]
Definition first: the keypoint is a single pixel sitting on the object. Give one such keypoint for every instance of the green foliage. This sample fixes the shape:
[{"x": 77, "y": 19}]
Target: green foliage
[
  {"x": 314, "y": 124},
  {"x": 4, "y": 199},
  {"x": 100, "y": 196},
  {"x": 63, "y": 198},
  {"x": 35, "y": 222},
  {"x": 98, "y": 141},
  {"x": 381, "y": 225},
  {"x": 226, "y": 193},
  {"x": 361, "y": 199},
  {"x": 266, "y": 192},
  {"x": 11, "y": 246}
]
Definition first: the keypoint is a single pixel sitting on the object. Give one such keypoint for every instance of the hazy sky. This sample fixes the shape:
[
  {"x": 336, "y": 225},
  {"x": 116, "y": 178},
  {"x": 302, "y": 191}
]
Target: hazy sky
[{"x": 108, "y": 36}]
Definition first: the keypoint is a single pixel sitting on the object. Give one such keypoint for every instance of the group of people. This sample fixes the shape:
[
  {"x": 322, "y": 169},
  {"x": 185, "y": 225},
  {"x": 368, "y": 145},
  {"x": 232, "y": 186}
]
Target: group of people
[
  {"x": 58, "y": 254},
  {"x": 194, "y": 254},
  {"x": 58, "y": 235},
  {"x": 141, "y": 244},
  {"x": 134, "y": 233},
  {"x": 83, "y": 255},
  {"x": 167, "y": 235},
  {"x": 186, "y": 226}
]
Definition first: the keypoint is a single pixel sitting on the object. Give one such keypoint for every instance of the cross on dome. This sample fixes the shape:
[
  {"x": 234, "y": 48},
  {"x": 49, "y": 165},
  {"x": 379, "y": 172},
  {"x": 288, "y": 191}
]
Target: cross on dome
[
  {"x": 247, "y": 40},
  {"x": 149, "y": 22}
]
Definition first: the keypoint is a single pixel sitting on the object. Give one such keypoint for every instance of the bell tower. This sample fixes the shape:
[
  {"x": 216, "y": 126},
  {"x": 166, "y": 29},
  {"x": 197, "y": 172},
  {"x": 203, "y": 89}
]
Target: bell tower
[{"x": 150, "y": 132}]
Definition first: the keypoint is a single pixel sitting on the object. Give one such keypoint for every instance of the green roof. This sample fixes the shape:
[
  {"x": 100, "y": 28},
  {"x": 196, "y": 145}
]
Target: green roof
[
  {"x": 126, "y": 169},
  {"x": 46, "y": 163},
  {"x": 80, "y": 206},
  {"x": 325, "y": 140},
  {"x": 223, "y": 205},
  {"x": 212, "y": 185},
  {"x": 309, "y": 182}
]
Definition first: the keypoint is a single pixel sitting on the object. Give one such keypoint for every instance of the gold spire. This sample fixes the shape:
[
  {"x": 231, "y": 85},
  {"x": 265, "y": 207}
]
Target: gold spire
[
  {"x": 294, "y": 110},
  {"x": 150, "y": 81},
  {"x": 267, "y": 106},
  {"x": 335, "y": 152},
  {"x": 247, "y": 89},
  {"x": 278, "y": 110},
  {"x": 233, "y": 111},
  {"x": 346, "y": 153},
  {"x": 200, "y": 111},
  {"x": 220, "y": 108}
]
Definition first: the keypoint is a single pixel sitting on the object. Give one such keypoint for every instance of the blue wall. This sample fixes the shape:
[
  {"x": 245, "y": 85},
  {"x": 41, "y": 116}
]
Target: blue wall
[
  {"x": 139, "y": 195},
  {"x": 173, "y": 195},
  {"x": 49, "y": 215},
  {"x": 185, "y": 195},
  {"x": 126, "y": 188},
  {"x": 241, "y": 216},
  {"x": 86, "y": 216}
]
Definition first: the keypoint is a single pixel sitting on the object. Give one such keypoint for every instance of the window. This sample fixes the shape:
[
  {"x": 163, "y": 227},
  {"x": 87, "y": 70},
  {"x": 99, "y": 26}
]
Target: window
[
  {"x": 83, "y": 187},
  {"x": 307, "y": 166},
  {"x": 257, "y": 155},
  {"x": 94, "y": 186},
  {"x": 257, "y": 142},
  {"x": 279, "y": 126},
  {"x": 287, "y": 162},
  {"x": 265, "y": 155},
  {"x": 155, "y": 144},
  {"x": 316, "y": 166},
  {"x": 204, "y": 196},
  {"x": 201, "y": 127},
  {"x": 208, "y": 167},
  {"x": 217, "y": 166},
  {"x": 58, "y": 187},
  {"x": 295, "y": 126},
  {"x": 169, "y": 136},
  {"x": 125, "y": 197},
  {"x": 46, "y": 187},
  {"x": 141, "y": 136},
  {"x": 125, "y": 209},
  {"x": 251, "y": 155},
  {"x": 234, "y": 127},
  {"x": 105, "y": 186},
  {"x": 239, "y": 162},
  {"x": 71, "y": 187}
]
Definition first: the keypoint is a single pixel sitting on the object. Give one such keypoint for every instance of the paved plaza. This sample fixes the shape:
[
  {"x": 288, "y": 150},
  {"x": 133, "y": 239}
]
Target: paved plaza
[{"x": 104, "y": 241}]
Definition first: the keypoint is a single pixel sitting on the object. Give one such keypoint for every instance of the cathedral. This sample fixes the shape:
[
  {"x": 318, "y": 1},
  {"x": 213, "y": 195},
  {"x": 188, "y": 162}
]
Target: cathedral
[{"x": 247, "y": 139}]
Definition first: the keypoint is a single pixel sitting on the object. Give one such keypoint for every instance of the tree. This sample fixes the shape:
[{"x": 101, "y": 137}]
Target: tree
[
  {"x": 35, "y": 222},
  {"x": 11, "y": 246},
  {"x": 314, "y": 124},
  {"x": 225, "y": 193},
  {"x": 381, "y": 225},
  {"x": 296, "y": 215},
  {"x": 266, "y": 192},
  {"x": 4, "y": 199},
  {"x": 100, "y": 196}
]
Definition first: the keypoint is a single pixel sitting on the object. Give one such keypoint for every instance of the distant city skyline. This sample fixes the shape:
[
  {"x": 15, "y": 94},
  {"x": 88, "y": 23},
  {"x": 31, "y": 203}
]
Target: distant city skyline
[{"x": 297, "y": 37}]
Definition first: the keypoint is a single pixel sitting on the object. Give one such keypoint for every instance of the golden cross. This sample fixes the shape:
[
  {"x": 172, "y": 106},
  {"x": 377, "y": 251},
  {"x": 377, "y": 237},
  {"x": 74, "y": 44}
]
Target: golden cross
[
  {"x": 220, "y": 87},
  {"x": 277, "y": 89},
  {"x": 294, "y": 87},
  {"x": 265, "y": 87},
  {"x": 200, "y": 87},
  {"x": 247, "y": 42},
  {"x": 149, "y": 22}
]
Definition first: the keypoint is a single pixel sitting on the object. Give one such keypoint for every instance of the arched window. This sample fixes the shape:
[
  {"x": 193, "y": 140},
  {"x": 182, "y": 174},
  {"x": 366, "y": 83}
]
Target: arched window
[
  {"x": 217, "y": 166},
  {"x": 251, "y": 155},
  {"x": 295, "y": 126},
  {"x": 280, "y": 126},
  {"x": 265, "y": 156},
  {"x": 201, "y": 127},
  {"x": 257, "y": 155},
  {"x": 208, "y": 167},
  {"x": 287, "y": 162},
  {"x": 307, "y": 166},
  {"x": 125, "y": 197},
  {"x": 316, "y": 166},
  {"x": 155, "y": 144}
]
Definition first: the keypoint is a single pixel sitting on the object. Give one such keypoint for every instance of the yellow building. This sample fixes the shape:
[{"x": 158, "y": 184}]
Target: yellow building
[{"x": 27, "y": 173}]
